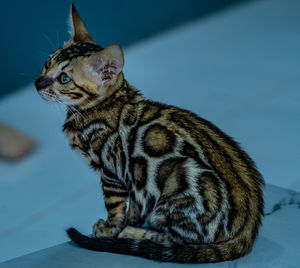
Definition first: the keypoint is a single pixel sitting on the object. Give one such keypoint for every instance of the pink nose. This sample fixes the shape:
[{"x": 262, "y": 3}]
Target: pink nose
[{"x": 43, "y": 82}]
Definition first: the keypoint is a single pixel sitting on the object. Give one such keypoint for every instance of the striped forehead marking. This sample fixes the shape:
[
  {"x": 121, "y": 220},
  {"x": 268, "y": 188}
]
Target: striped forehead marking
[{"x": 77, "y": 50}]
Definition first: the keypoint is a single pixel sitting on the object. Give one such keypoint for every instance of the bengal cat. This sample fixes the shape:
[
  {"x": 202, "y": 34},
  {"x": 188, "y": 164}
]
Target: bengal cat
[{"x": 199, "y": 193}]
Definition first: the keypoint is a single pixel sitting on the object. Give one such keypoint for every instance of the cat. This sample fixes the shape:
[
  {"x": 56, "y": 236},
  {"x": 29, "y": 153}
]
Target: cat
[{"x": 198, "y": 191}]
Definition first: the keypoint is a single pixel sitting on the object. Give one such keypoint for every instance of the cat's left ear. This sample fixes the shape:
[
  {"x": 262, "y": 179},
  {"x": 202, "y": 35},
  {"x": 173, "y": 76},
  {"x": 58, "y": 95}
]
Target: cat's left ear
[
  {"x": 79, "y": 31},
  {"x": 106, "y": 65}
]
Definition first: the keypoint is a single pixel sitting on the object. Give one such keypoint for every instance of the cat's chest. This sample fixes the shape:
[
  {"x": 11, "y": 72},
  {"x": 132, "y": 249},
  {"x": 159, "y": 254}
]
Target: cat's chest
[
  {"x": 87, "y": 138},
  {"x": 100, "y": 144}
]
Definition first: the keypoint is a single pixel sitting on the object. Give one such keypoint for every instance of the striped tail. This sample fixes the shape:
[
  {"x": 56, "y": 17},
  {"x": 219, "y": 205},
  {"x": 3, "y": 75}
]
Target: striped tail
[{"x": 204, "y": 253}]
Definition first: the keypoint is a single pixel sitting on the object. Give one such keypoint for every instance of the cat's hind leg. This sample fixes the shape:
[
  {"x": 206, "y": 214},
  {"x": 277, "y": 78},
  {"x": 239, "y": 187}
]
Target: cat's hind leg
[
  {"x": 176, "y": 217},
  {"x": 134, "y": 215},
  {"x": 144, "y": 234}
]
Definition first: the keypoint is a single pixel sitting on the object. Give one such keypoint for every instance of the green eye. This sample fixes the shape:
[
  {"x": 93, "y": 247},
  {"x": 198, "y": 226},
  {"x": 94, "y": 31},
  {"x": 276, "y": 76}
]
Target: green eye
[{"x": 63, "y": 78}]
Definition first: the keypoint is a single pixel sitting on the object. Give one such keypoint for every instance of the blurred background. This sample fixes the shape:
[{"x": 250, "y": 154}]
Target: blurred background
[
  {"x": 34, "y": 28},
  {"x": 235, "y": 63}
]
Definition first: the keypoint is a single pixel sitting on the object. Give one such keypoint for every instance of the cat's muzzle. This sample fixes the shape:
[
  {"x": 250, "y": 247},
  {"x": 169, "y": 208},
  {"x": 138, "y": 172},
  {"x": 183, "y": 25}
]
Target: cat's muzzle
[{"x": 43, "y": 82}]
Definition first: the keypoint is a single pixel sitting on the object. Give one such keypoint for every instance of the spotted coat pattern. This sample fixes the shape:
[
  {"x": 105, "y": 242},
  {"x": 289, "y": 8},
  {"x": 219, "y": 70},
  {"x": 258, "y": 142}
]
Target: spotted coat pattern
[
  {"x": 191, "y": 183},
  {"x": 198, "y": 191}
]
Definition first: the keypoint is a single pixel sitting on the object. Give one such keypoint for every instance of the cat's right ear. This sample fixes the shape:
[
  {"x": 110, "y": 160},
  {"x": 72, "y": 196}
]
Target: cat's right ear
[
  {"x": 106, "y": 65},
  {"x": 78, "y": 29}
]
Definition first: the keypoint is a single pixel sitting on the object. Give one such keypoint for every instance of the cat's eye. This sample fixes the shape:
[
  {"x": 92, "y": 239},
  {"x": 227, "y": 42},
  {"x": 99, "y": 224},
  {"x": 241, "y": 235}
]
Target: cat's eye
[
  {"x": 64, "y": 78},
  {"x": 48, "y": 64}
]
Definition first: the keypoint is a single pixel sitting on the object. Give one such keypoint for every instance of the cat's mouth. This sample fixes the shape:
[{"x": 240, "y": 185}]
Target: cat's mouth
[
  {"x": 42, "y": 85},
  {"x": 48, "y": 95}
]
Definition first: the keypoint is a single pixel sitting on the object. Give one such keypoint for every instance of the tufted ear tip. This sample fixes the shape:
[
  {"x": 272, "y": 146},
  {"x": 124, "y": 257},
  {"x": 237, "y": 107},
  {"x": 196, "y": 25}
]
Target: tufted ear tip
[
  {"x": 74, "y": 13},
  {"x": 73, "y": 7},
  {"x": 80, "y": 32}
]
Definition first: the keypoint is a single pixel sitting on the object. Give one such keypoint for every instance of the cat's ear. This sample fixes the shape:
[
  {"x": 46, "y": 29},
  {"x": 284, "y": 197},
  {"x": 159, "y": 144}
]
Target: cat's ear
[
  {"x": 78, "y": 29},
  {"x": 106, "y": 65}
]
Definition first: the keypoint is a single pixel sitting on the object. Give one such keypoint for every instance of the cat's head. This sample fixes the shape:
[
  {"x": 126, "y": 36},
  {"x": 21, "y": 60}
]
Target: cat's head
[{"x": 81, "y": 72}]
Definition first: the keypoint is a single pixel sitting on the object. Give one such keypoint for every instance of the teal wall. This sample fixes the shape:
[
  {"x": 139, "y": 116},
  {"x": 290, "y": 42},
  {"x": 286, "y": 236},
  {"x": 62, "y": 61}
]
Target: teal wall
[{"x": 31, "y": 29}]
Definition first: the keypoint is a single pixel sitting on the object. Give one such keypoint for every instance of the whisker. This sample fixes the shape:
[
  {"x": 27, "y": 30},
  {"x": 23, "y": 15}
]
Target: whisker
[
  {"x": 28, "y": 75},
  {"x": 79, "y": 112},
  {"x": 43, "y": 53},
  {"x": 59, "y": 107},
  {"x": 49, "y": 40},
  {"x": 57, "y": 39}
]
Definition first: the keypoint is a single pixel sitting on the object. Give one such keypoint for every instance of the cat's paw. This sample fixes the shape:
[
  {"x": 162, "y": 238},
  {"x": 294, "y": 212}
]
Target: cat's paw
[
  {"x": 102, "y": 229},
  {"x": 134, "y": 222}
]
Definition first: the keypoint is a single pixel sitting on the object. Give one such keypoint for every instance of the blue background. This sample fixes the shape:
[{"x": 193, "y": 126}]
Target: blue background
[
  {"x": 238, "y": 68},
  {"x": 32, "y": 29}
]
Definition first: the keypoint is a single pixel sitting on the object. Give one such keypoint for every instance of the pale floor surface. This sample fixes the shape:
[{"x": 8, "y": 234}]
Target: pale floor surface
[
  {"x": 238, "y": 69},
  {"x": 277, "y": 245}
]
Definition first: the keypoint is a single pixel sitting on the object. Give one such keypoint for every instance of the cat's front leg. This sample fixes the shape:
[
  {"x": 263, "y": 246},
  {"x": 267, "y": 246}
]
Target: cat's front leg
[
  {"x": 115, "y": 197},
  {"x": 134, "y": 215}
]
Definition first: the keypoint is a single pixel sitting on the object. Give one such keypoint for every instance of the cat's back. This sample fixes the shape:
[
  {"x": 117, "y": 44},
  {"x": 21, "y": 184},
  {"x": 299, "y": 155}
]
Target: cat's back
[
  {"x": 168, "y": 132},
  {"x": 175, "y": 125}
]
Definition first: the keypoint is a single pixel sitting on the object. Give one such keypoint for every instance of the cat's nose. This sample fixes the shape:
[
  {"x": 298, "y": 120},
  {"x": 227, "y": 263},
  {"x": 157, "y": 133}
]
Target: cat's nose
[{"x": 43, "y": 82}]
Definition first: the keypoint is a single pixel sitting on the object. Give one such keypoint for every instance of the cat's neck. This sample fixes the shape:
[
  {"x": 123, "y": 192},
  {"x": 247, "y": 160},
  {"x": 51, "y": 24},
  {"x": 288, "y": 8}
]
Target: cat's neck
[
  {"x": 121, "y": 93},
  {"x": 101, "y": 98}
]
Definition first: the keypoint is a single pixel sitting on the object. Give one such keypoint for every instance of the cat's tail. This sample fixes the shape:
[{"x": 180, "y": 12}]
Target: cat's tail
[{"x": 223, "y": 251}]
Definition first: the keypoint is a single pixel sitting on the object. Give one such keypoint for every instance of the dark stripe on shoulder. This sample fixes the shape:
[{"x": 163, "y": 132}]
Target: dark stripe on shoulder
[
  {"x": 111, "y": 206},
  {"x": 110, "y": 193},
  {"x": 150, "y": 113}
]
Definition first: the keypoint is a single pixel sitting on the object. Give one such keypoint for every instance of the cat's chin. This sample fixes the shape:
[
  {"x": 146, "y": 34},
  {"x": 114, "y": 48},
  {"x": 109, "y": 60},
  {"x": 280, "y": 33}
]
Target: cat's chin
[{"x": 48, "y": 97}]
